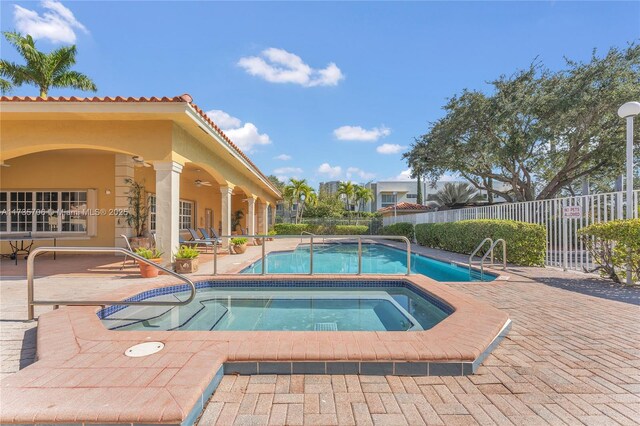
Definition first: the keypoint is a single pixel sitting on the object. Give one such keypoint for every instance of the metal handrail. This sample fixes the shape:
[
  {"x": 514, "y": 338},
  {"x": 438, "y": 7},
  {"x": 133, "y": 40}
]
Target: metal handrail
[
  {"x": 504, "y": 256},
  {"x": 31, "y": 270},
  {"x": 477, "y": 250},
  {"x": 311, "y": 237}
]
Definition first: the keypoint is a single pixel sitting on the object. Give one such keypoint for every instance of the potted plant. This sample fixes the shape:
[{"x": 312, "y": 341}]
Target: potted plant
[
  {"x": 186, "y": 260},
  {"x": 272, "y": 232},
  {"x": 238, "y": 215},
  {"x": 152, "y": 254},
  {"x": 238, "y": 245},
  {"x": 137, "y": 214}
]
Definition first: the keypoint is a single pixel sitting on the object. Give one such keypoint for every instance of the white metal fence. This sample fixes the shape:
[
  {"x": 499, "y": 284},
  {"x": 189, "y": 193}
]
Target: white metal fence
[{"x": 562, "y": 217}]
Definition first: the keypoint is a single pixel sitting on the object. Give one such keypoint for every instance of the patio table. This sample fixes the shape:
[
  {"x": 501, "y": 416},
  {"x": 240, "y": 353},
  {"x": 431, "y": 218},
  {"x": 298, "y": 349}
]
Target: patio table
[{"x": 22, "y": 244}]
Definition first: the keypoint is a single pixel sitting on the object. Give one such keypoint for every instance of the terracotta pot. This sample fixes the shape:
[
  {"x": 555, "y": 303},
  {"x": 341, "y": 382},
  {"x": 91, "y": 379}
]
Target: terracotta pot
[
  {"x": 186, "y": 266},
  {"x": 240, "y": 248},
  {"x": 149, "y": 271},
  {"x": 257, "y": 241},
  {"x": 137, "y": 242}
]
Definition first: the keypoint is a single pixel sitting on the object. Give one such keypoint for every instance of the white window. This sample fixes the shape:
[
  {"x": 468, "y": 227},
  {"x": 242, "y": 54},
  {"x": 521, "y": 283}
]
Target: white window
[
  {"x": 44, "y": 211},
  {"x": 415, "y": 196},
  {"x": 388, "y": 200},
  {"x": 185, "y": 217},
  {"x": 185, "y": 214},
  {"x": 152, "y": 212}
]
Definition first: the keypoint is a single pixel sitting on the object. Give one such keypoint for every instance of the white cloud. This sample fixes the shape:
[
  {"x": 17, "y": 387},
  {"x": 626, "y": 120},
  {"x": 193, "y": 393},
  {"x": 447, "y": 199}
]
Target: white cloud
[
  {"x": 331, "y": 171},
  {"x": 56, "y": 24},
  {"x": 282, "y": 157},
  {"x": 223, "y": 119},
  {"x": 404, "y": 175},
  {"x": 355, "y": 171},
  {"x": 279, "y": 66},
  {"x": 286, "y": 173},
  {"x": 246, "y": 136},
  {"x": 390, "y": 148},
  {"x": 357, "y": 133}
]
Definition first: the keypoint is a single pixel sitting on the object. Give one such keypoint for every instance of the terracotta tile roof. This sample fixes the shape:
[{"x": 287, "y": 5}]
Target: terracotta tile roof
[
  {"x": 405, "y": 206},
  {"x": 181, "y": 99}
]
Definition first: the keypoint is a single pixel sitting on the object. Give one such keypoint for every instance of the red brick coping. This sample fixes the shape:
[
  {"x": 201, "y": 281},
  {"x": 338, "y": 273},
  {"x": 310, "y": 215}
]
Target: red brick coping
[{"x": 82, "y": 374}]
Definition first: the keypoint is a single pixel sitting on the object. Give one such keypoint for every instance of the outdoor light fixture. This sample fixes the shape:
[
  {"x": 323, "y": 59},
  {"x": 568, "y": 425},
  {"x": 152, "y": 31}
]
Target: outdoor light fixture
[{"x": 628, "y": 111}]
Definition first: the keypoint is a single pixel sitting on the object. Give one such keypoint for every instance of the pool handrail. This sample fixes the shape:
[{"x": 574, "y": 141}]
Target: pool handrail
[
  {"x": 31, "y": 303},
  {"x": 311, "y": 236}
]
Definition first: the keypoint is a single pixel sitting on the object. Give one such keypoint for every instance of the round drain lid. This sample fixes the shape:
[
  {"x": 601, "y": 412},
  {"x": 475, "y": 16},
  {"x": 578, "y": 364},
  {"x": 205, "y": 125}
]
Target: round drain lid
[{"x": 144, "y": 349}]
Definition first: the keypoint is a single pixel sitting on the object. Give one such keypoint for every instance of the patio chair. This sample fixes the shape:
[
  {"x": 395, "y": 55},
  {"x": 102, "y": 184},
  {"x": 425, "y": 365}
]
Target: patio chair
[
  {"x": 199, "y": 241},
  {"x": 124, "y": 261},
  {"x": 207, "y": 236}
]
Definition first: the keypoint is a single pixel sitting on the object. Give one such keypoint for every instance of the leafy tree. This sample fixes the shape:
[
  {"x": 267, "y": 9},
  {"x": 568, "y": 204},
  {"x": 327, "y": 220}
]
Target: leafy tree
[
  {"x": 277, "y": 182},
  {"x": 455, "y": 195},
  {"x": 347, "y": 190},
  {"x": 538, "y": 131},
  {"x": 419, "y": 191},
  {"x": 43, "y": 70}
]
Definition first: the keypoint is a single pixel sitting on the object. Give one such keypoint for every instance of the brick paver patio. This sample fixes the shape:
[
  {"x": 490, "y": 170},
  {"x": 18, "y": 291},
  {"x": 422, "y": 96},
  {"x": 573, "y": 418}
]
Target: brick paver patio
[{"x": 570, "y": 358}]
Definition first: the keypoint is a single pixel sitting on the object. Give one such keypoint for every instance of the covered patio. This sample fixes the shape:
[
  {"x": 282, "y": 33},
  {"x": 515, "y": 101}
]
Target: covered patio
[{"x": 68, "y": 160}]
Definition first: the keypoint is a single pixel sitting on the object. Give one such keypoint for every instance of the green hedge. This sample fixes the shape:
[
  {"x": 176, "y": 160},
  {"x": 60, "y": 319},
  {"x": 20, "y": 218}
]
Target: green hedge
[
  {"x": 614, "y": 245},
  {"x": 401, "y": 228},
  {"x": 291, "y": 228},
  {"x": 298, "y": 228},
  {"x": 526, "y": 242},
  {"x": 351, "y": 229}
]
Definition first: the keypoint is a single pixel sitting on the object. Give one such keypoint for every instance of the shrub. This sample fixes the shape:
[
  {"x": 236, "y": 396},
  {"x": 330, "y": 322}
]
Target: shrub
[
  {"x": 401, "y": 228},
  {"x": 148, "y": 253},
  {"x": 187, "y": 252},
  {"x": 290, "y": 228},
  {"x": 351, "y": 229},
  {"x": 238, "y": 241},
  {"x": 614, "y": 245},
  {"x": 526, "y": 242}
]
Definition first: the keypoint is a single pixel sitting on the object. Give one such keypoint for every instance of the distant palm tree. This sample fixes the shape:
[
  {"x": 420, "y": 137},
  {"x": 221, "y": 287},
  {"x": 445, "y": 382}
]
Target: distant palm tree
[
  {"x": 44, "y": 70},
  {"x": 347, "y": 189},
  {"x": 455, "y": 195},
  {"x": 363, "y": 196},
  {"x": 301, "y": 194}
]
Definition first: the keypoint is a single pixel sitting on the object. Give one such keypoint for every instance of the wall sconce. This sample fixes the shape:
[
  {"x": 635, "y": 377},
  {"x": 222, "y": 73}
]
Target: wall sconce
[{"x": 107, "y": 191}]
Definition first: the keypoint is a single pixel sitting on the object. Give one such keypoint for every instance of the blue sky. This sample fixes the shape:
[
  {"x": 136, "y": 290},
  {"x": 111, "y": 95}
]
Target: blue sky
[{"x": 360, "y": 80}]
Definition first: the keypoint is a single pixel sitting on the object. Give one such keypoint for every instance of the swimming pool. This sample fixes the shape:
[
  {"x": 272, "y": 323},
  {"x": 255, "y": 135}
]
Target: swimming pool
[
  {"x": 290, "y": 306},
  {"x": 342, "y": 258}
]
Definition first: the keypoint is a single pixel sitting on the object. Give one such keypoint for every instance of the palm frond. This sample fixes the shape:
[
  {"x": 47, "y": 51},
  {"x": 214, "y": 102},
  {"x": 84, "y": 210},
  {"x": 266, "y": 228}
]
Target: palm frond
[{"x": 75, "y": 80}]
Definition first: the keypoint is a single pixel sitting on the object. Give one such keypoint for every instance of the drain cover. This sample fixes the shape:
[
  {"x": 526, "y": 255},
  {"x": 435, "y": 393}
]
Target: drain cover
[
  {"x": 326, "y": 326},
  {"x": 144, "y": 349}
]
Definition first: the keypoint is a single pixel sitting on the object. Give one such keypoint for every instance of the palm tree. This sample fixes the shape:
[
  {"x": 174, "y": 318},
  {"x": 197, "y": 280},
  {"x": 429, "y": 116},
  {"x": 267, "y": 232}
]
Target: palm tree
[
  {"x": 300, "y": 193},
  {"x": 44, "y": 70},
  {"x": 363, "y": 196},
  {"x": 455, "y": 195},
  {"x": 347, "y": 189}
]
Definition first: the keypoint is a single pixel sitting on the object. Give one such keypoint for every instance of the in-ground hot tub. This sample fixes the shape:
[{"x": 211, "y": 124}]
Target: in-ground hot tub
[{"x": 294, "y": 306}]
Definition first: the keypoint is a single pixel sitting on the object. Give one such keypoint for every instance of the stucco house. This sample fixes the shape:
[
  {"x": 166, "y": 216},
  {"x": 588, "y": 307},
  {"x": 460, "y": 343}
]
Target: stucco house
[{"x": 75, "y": 154}]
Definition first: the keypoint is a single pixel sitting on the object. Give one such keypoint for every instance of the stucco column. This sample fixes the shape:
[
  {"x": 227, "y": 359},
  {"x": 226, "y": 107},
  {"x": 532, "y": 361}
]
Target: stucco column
[
  {"x": 265, "y": 218},
  {"x": 123, "y": 171},
  {"x": 251, "y": 215},
  {"x": 167, "y": 207},
  {"x": 225, "y": 213}
]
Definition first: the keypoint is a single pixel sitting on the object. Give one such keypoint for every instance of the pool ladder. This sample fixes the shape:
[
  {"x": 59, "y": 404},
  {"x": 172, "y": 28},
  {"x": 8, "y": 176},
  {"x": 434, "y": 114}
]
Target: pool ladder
[{"x": 492, "y": 246}]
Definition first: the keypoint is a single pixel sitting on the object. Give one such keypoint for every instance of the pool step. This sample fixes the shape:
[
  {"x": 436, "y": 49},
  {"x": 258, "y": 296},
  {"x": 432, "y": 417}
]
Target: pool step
[{"x": 326, "y": 326}]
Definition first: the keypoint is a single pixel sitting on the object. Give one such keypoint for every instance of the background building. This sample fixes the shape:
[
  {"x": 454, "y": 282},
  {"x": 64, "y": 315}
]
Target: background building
[{"x": 329, "y": 188}]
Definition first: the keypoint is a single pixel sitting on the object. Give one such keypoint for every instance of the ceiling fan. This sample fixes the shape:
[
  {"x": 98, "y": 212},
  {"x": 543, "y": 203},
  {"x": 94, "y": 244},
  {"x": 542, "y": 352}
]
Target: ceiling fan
[
  {"x": 138, "y": 161},
  {"x": 201, "y": 183}
]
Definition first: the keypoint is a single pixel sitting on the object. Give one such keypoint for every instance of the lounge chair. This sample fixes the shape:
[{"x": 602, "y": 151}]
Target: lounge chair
[
  {"x": 199, "y": 241},
  {"x": 206, "y": 236}
]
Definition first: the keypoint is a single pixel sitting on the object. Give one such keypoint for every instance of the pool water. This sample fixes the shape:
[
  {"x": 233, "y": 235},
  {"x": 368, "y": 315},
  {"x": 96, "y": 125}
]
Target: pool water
[
  {"x": 342, "y": 258},
  {"x": 393, "y": 308}
]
